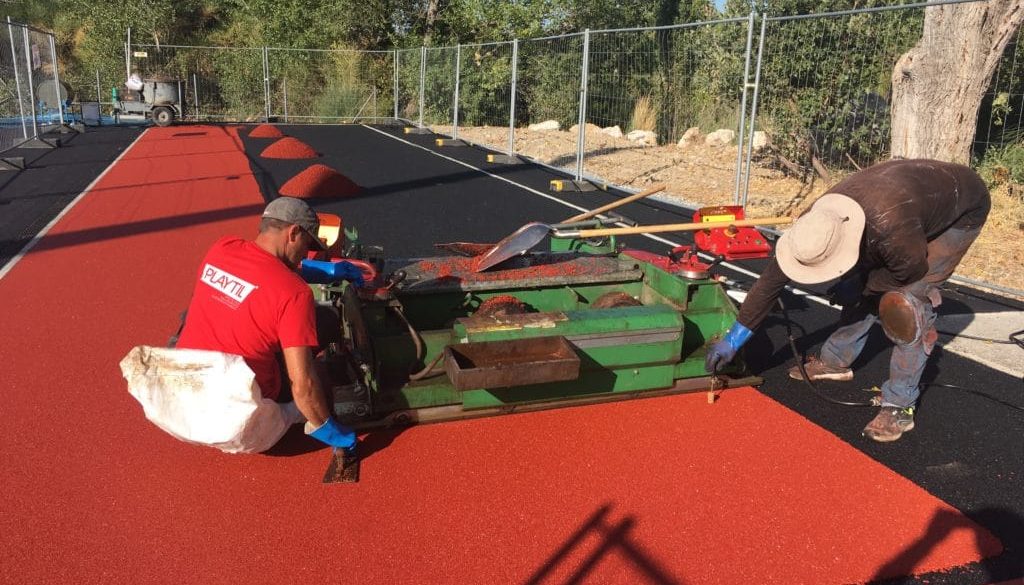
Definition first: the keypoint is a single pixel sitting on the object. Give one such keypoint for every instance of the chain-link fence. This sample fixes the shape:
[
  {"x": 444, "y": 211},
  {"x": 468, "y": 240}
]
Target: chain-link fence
[
  {"x": 485, "y": 93},
  {"x": 309, "y": 85}
]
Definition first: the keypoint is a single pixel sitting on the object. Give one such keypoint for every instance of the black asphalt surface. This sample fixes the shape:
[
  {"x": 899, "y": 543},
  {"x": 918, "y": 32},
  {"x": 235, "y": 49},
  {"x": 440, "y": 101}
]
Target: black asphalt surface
[
  {"x": 30, "y": 198},
  {"x": 966, "y": 449}
]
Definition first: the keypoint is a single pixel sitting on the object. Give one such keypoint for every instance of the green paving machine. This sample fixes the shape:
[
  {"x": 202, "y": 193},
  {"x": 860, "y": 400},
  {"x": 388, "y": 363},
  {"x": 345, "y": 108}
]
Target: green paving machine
[{"x": 437, "y": 339}]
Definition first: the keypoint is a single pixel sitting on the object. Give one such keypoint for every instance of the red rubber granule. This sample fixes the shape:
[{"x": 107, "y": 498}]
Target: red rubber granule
[
  {"x": 288, "y": 147},
  {"x": 265, "y": 131},
  {"x": 320, "y": 181}
]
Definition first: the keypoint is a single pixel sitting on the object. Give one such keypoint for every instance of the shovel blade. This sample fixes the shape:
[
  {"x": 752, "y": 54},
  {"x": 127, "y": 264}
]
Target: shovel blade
[{"x": 518, "y": 242}]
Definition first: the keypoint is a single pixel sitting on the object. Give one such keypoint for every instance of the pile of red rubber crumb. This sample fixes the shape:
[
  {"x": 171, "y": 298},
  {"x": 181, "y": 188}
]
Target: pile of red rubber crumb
[
  {"x": 288, "y": 147},
  {"x": 319, "y": 181},
  {"x": 265, "y": 131}
]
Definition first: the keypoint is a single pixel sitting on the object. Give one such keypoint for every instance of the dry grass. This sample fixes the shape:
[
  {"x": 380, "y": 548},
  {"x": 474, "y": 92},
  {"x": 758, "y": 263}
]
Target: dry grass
[{"x": 644, "y": 115}]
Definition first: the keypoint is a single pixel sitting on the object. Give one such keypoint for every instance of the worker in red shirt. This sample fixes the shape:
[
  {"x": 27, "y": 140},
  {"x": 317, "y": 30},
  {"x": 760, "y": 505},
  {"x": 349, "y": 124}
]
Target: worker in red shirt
[
  {"x": 250, "y": 300},
  {"x": 892, "y": 233}
]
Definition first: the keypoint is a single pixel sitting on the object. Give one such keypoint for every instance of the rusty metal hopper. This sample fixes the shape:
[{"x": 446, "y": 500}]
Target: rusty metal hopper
[{"x": 517, "y": 362}]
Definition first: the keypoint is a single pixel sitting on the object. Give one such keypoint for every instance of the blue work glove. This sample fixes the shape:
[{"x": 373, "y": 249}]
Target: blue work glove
[
  {"x": 847, "y": 292},
  {"x": 334, "y": 434},
  {"x": 323, "y": 272},
  {"x": 722, "y": 352}
]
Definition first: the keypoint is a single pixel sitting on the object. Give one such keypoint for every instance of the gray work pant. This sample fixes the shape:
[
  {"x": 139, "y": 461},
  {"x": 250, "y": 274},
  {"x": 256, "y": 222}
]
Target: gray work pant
[{"x": 908, "y": 360}]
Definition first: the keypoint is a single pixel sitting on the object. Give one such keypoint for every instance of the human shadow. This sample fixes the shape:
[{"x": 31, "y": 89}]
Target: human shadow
[
  {"x": 1009, "y": 564},
  {"x": 614, "y": 536}
]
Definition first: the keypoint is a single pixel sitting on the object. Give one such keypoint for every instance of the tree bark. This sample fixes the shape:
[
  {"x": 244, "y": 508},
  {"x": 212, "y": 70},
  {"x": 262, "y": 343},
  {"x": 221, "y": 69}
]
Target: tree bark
[{"x": 938, "y": 85}]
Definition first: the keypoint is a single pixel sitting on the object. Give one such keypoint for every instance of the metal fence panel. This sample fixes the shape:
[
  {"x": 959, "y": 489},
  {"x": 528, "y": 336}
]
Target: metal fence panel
[
  {"x": 825, "y": 82},
  {"x": 548, "y": 89},
  {"x": 309, "y": 85},
  {"x": 439, "y": 87},
  {"x": 407, "y": 63},
  {"x": 227, "y": 80},
  {"x": 48, "y": 93},
  {"x": 14, "y": 124},
  {"x": 485, "y": 91},
  {"x": 1001, "y": 119}
]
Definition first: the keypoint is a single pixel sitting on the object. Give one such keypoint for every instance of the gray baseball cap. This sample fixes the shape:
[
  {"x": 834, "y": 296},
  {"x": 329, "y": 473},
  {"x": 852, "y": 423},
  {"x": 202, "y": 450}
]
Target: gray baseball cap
[{"x": 296, "y": 211}]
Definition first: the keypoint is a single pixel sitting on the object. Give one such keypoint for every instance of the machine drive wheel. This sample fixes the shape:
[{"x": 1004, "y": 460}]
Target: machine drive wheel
[{"x": 163, "y": 116}]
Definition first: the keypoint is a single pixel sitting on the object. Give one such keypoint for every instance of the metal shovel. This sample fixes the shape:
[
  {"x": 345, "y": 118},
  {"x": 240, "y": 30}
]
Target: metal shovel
[{"x": 531, "y": 234}]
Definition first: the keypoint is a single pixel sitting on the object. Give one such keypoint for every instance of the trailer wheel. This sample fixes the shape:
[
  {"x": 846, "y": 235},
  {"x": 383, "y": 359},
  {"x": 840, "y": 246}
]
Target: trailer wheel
[{"x": 163, "y": 116}]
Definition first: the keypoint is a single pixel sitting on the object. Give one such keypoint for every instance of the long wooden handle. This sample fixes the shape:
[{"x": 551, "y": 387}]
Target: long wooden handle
[
  {"x": 615, "y": 204},
  {"x": 680, "y": 227}
]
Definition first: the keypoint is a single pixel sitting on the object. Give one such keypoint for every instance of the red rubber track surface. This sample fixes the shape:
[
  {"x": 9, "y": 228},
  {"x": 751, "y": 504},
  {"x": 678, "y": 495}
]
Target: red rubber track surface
[{"x": 668, "y": 490}]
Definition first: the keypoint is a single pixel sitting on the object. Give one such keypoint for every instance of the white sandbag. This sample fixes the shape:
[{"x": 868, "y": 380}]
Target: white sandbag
[{"x": 206, "y": 397}]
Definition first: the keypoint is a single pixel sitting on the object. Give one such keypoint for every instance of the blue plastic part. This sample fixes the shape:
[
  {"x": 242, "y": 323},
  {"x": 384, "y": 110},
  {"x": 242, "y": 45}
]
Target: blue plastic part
[
  {"x": 335, "y": 434},
  {"x": 323, "y": 272}
]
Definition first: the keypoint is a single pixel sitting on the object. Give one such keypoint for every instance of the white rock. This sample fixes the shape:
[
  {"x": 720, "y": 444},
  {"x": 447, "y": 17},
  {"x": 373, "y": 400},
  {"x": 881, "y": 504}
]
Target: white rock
[
  {"x": 613, "y": 131},
  {"x": 545, "y": 125},
  {"x": 760, "y": 141},
  {"x": 720, "y": 137},
  {"x": 643, "y": 137},
  {"x": 691, "y": 136}
]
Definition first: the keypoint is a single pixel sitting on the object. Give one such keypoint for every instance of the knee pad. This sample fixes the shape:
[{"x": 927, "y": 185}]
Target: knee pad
[{"x": 901, "y": 316}]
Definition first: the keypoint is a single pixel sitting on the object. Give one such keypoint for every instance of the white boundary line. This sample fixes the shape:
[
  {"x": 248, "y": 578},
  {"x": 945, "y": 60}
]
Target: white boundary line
[
  {"x": 732, "y": 267},
  {"x": 35, "y": 240}
]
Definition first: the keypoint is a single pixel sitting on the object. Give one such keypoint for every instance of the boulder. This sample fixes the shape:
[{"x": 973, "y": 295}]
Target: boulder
[
  {"x": 545, "y": 126},
  {"x": 592, "y": 129},
  {"x": 720, "y": 137},
  {"x": 643, "y": 137},
  {"x": 613, "y": 131},
  {"x": 690, "y": 137},
  {"x": 760, "y": 141}
]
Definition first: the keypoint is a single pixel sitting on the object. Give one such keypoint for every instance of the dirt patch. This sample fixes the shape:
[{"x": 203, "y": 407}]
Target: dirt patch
[{"x": 703, "y": 175}]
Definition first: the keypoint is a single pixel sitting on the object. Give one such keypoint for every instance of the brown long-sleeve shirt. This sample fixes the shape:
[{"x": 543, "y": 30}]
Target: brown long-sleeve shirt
[{"x": 906, "y": 203}]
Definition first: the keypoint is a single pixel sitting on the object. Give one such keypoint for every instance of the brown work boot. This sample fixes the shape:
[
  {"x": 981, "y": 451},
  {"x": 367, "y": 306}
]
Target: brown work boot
[
  {"x": 818, "y": 370},
  {"x": 890, "y": 423}
]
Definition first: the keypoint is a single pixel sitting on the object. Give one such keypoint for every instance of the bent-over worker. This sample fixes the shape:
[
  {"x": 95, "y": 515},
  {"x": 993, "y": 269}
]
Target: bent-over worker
[
  {"x": 894, "y": 232},
  {"x": 249, "y": 300}
]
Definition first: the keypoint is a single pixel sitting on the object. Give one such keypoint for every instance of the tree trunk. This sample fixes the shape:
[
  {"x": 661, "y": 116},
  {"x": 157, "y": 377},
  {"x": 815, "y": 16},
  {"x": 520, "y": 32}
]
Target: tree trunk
[
  {"x": 430, "y": 17},
  {"x": 937, "y": 86}
]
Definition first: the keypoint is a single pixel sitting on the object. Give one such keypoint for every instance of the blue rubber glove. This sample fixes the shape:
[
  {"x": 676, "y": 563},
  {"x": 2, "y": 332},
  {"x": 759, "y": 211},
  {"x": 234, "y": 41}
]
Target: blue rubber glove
[
  {"x": 323, "y": 272},
  {"x": 334, "y": 434},
  {"x": 722, "y": 352}
]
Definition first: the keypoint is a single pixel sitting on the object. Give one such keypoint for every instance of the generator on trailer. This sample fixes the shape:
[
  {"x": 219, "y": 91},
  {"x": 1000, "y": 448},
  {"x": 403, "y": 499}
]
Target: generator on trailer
[{"x": 159, "y": 99}]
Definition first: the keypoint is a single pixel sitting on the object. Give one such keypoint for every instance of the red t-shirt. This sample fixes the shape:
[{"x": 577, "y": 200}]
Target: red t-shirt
[{"x": 247, "y": 302}]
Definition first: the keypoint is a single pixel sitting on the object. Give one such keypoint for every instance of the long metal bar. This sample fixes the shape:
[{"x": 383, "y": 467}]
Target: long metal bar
[
  {"x": 266, "y": 83},
  {"x": 512, "y": 99},
  {"x": 31, "y": 83},
  {"x": 455, "y": 97},
  {"x": 195, "y": 93},
  {"x": 554, "y": 37},
  {"x": 99, "y": 97},
  {"x": 423, "y": 75},
  {"x": 128, "y": 55},
  {"x": 581, "y": 132},
  {"x": 17, "y": 79},
  {"x": 868, "y": 10},
  {"x": 284, "y": 88},
  {"x": 753, "y": 110},
  {"x": 669, "y": 26},
  {"x": 743, "y": 111},
  {"x": 56, "y": 78},
  {"x": 395, "y": 92}
]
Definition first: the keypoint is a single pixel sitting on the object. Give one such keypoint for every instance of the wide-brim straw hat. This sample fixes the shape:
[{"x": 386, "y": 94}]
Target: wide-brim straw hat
[{"x": 823, "y": 243}]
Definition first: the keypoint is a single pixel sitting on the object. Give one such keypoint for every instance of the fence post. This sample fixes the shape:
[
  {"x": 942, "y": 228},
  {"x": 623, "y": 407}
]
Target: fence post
[
  {"x": 455, "y": 107},
  {"x": 743, "y": 112},
  {"x": 753, "y": 109},
  {"x": 99, "y": 97},
  {"x": 31, "y": 82},
  {"x": 195, "y": 93},
  {"x": 128, "y": 55},
  {"x": 56, "y": 78},
  {"x": 266, "y": 82},
  {"x": 423, "y": 75},
  {"x": 581, "y": 132},
  {"x": 395, "y": 92},
  {"x": 512, "y": 99},
  {"x": 17, "y": 79},
  {"x": 284, "y": 87}
]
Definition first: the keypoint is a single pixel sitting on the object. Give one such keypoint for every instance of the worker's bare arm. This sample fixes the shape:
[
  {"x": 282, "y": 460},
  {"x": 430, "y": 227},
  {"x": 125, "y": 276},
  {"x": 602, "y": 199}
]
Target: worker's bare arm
[{"x": 306, "y": 388}]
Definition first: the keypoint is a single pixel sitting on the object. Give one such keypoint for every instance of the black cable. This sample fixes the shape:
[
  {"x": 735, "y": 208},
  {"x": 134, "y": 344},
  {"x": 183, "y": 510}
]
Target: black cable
[
  {"x": 976, "y": 393},
  {"x": 1010, "y": 341}
]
